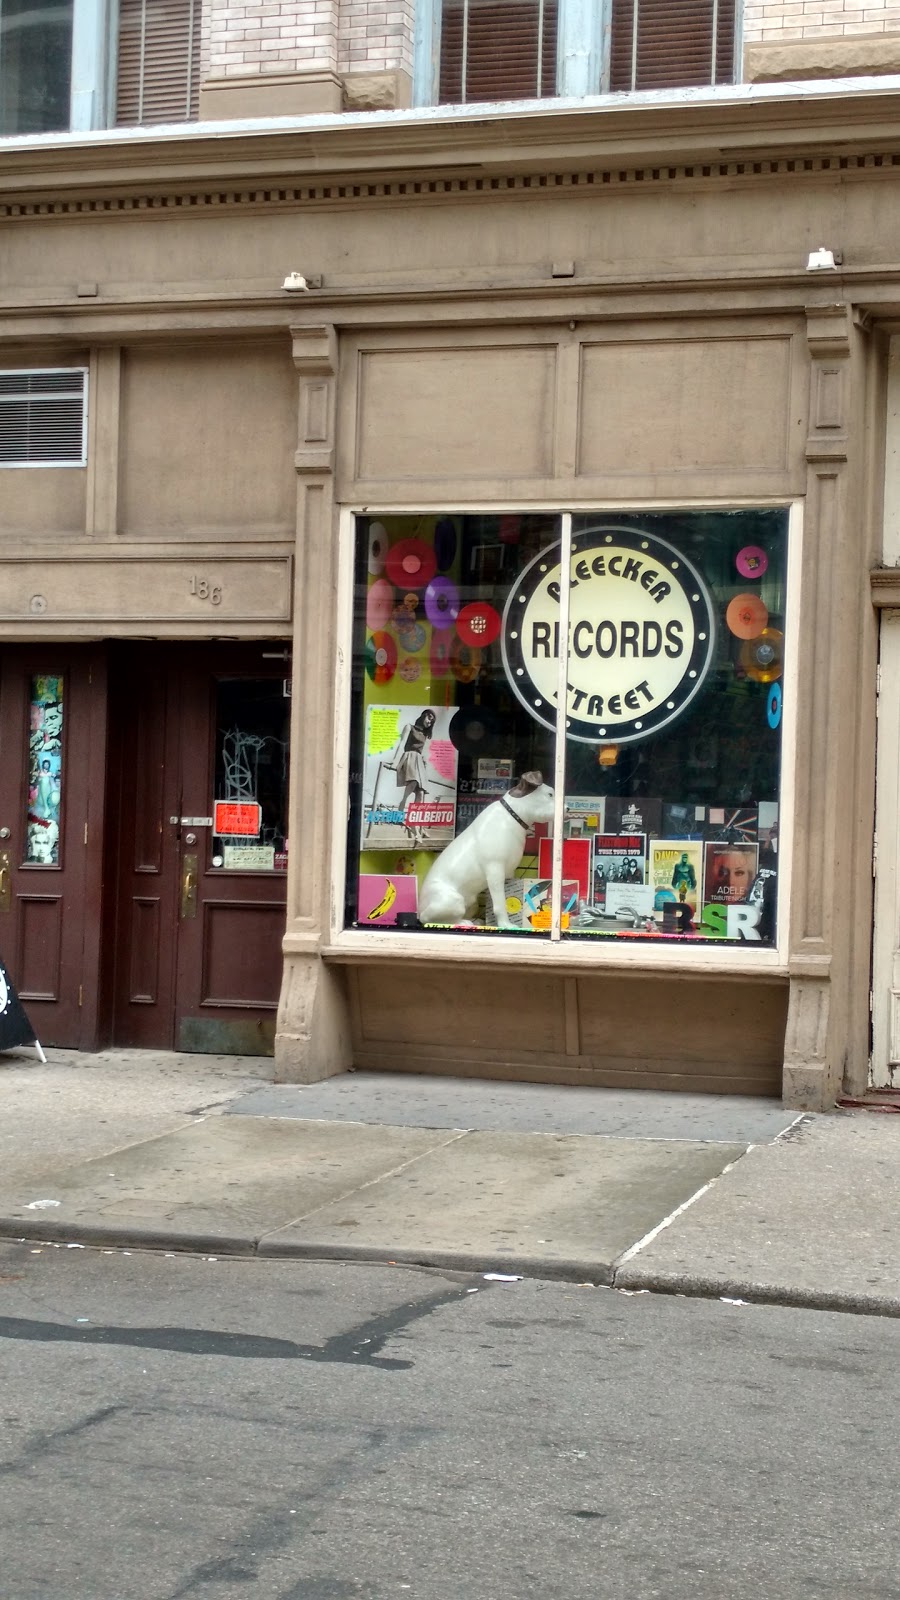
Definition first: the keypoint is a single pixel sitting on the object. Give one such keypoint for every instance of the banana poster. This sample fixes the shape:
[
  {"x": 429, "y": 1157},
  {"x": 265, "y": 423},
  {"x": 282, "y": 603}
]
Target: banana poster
[{"x": 382, "y": 896}]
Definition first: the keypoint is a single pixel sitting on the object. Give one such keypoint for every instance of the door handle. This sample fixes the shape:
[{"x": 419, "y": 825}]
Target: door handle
[
  {"x": 189, "y": 886},
  {"x": 5, "y": 882}
]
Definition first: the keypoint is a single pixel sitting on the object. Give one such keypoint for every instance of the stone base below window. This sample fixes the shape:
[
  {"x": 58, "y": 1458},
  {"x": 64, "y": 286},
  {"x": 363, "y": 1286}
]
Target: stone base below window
[
  {"x": 294, "y": 94},
  {"x": 835, "y": 57},
  {"x": 378, "y": 91}
]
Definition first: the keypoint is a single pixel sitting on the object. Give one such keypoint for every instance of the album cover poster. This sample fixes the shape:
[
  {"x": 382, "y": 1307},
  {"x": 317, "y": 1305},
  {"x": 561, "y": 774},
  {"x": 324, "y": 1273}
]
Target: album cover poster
[
  {"x": 380, "y": 896},
  {"x": 768, "y": 826},
  {"x": 514, "y": 894},
  {"x": 729, "y": 872},
  {"x": 675, "y": 872},
  {"x": 537, "y": 905},
  {"x": 737, "y": 824},
  {"x": 576, "y": 863},
  {"x": 409, "y": 779},
  {"x": 583, "y": 815},
  {"x": 618, "y": 858},
  {"x": 632, "y": 816},
  {"x": 682, "y": 820}
]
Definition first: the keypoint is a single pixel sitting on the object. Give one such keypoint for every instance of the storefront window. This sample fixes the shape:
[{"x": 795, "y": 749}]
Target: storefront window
[
  {"x": 655, "y": 815},
  {"x": 45, "y": 736},
  {"x": 250, "y": 804}
]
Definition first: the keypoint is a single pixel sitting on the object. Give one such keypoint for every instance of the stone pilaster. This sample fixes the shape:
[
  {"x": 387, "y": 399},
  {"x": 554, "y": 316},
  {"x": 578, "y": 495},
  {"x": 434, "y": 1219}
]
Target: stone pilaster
[
  {"x": 312, "y": 1039},
  {"x": 827, "y": 1027}
]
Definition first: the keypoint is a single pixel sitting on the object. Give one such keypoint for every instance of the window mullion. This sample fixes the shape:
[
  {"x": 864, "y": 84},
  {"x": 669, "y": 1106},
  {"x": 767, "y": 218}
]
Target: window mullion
[
  {"x": 583, "y": 41},
  {"x": 559, "y": 755},
  {"x": 89, "y": 82}
]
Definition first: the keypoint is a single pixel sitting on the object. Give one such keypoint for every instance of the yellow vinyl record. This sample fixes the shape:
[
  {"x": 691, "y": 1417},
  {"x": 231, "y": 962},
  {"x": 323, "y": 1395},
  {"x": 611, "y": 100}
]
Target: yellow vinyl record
[{"x": 762, "y": 658}]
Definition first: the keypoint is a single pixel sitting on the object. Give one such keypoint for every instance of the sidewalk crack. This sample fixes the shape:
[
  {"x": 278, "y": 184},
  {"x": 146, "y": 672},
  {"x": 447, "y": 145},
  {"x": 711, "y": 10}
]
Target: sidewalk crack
[{"x": 392, "y": 1172}]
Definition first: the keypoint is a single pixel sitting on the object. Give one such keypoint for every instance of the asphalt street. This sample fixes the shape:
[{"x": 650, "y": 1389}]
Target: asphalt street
[{"x": 180, "y": 1427}]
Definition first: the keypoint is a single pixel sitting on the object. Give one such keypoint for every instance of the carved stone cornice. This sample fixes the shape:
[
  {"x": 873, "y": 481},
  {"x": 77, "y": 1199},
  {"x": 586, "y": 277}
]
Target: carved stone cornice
[{"x": 149, "y": 197}]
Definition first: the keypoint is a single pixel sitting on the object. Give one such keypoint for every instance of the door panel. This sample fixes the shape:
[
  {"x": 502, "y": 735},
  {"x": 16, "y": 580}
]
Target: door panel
[
  {"x": 51, "y": 801},
  {"x": 200, "y": 917}
]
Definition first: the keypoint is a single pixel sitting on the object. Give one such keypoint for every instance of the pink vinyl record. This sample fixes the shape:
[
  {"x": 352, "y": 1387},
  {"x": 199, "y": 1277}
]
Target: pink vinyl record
[
  {"x": 379, "y": 605},
  {"x": 752, "y": 561}
]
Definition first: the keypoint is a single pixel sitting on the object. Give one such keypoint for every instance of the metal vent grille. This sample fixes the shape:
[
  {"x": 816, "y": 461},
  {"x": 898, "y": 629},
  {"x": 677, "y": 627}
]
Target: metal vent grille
[{"x": 43, "y": 418}]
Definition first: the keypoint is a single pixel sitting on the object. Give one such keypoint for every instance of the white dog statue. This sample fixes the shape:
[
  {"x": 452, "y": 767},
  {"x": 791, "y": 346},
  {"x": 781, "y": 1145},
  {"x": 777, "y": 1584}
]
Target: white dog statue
[{"x": 485, "y": 854}]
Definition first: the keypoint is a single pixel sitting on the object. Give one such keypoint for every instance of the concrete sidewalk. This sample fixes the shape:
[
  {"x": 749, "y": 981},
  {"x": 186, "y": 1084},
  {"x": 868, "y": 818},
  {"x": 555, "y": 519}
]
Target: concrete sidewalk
[{"x": 691, "y": 1194}]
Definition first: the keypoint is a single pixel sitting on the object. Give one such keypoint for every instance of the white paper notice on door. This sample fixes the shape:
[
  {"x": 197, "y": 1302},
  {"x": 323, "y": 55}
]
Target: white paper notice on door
[{"x": 250, "y": 857}]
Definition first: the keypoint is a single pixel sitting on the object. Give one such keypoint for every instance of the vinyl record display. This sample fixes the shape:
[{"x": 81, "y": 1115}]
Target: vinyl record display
[
  {"x": 409, "y": 669},
  {"x": 478, "y": 624},
  {"x": 471, "y": 730},
  {"x": 378, "y": 548},
  {"x": 439, "y": 654},
  {"x": 762, "y": 658},
  {"x": 752, "y": 561},
  {"x": 773, "y": 706},
  {"x": 746, "y": 616},
  {"x": 410, "y": 564},
  {"x": 444, "y": 543},
  {"x": 412, "y": 636},
  {"x": 465, "y": 661},
  {"x": 379, "y": 604},
  {"x": 381, "y": 657},
  {"x": 441, "y": 603}
]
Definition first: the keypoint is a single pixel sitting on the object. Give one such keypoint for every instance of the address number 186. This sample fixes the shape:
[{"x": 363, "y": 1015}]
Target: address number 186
[{"x": 205, "y": 589}]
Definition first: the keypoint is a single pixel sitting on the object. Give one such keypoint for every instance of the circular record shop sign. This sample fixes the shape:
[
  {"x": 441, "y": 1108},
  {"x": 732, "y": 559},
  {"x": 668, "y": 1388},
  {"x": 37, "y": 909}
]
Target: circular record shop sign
[{"x": 641, "y": 635}]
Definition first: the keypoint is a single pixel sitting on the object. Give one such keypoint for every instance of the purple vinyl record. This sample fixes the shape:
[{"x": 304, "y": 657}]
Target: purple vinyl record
[
  {"x": 441, "y": 603},
  {"x": 752, "y": 561}
]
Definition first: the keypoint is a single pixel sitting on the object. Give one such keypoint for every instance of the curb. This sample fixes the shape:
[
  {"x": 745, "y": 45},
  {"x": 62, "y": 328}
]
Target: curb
[
  {"x": 694, "y": 1286},
  {"x": 268, "y": 1247}
]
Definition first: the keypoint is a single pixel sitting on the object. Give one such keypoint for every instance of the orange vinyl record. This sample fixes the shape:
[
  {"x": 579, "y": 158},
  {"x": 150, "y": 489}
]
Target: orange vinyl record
[
  {"x": 465, "y": 661},
  {"x": 746, "y": 616},
  {"x": 763, "y": 658},
  {"x": 381, "y": 657}
]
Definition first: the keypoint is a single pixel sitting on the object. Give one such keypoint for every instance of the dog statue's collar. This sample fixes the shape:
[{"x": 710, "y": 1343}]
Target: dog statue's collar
[{"x": 507, "y": 807}]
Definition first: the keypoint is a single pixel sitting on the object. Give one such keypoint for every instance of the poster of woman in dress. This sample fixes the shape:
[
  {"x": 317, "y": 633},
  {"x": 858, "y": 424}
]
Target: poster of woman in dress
[{"x": 409, "y": 780}]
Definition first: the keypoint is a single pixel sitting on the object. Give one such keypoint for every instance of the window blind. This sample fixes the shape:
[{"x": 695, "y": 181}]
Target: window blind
[
  {"x": 666, "y": 44},
  {"x": 159, "y": 61},
  {"x": 43, "y": 417},
  {"x": 497, "y": 50}
]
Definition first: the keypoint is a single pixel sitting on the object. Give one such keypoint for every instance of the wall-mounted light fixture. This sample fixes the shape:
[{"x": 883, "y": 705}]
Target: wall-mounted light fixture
[
  {"x": 823, "y": 260},
  {"x": 295, "y": 283}
]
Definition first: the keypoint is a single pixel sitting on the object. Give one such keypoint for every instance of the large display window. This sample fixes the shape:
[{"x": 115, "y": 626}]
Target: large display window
[{"x": 568, "y": 726}]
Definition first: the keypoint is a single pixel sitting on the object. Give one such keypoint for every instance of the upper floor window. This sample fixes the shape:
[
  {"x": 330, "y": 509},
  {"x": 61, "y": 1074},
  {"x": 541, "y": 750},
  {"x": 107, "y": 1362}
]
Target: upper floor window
[
  {"x": 43, "y": 417},
  {"x": 523, "y": 49},
  {"x": 59, "y": 71}
]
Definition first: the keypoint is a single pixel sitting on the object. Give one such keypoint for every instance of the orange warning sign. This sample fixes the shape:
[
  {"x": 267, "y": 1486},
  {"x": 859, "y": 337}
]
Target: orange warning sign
[{"x": 237, "y": 817}]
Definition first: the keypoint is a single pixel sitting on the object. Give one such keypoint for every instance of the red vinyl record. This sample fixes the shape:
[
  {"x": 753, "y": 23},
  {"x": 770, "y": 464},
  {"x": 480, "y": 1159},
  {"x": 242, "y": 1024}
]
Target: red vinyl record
[
  {"x": 478, "y": 624},
  {"x": 410, "y": 564},
  {"x": 381, "y": 657}
]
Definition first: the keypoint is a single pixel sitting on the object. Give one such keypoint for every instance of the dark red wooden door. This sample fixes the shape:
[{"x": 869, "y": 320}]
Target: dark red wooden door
[
  {"x": 200, "y": 913},
  {"x": 52, "y": 753}
]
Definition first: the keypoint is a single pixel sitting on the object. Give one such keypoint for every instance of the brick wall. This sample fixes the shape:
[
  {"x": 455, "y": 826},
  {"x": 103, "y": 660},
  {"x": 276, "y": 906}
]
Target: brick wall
[
  {"x": 375, "y": 35},
  {"x": 771, "y": 21},
  {"x": 268, "y": 36}
]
